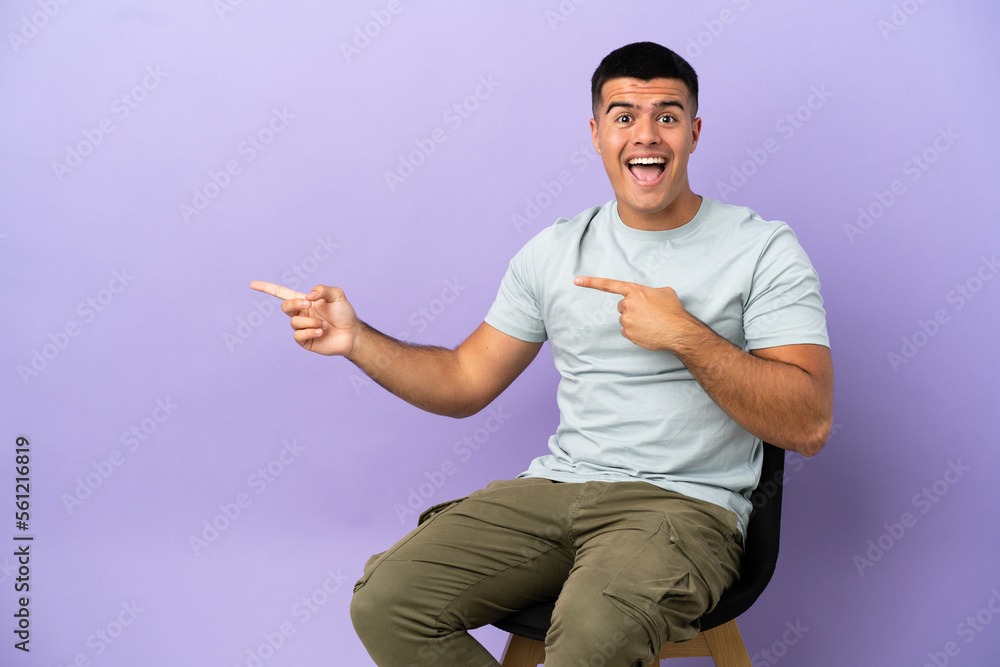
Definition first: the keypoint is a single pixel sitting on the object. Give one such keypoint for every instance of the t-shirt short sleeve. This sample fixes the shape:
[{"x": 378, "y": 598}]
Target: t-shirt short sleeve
[
  {"x": 517, "y": 310},
  {"x": 784, "y": 306}
]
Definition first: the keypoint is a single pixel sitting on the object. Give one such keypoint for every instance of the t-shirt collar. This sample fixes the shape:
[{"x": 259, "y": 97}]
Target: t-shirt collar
[{"x": 661, "y": 234}]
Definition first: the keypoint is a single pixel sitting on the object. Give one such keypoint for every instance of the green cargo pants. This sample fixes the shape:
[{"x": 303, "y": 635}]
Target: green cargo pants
[{"x": 631, "y": 566}]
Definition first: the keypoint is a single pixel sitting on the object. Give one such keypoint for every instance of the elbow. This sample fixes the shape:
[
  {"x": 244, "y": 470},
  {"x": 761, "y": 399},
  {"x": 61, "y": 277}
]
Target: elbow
[
  {"x": 459, "y": 414},
  {"x": 464, "y": 410},
  {"x": 814, "y": 438},
  {"x": 810, "y": 448},
  {"x": 806, "y": 439}
]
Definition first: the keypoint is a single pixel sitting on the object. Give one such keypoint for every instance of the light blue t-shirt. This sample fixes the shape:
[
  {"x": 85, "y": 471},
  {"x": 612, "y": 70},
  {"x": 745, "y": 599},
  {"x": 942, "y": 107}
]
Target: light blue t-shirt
[{"x": 631, "y": 414}]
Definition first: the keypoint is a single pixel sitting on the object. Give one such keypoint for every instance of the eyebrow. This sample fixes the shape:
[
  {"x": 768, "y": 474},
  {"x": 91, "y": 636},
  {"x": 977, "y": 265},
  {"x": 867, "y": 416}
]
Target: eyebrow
[{"x": 656, "y": 105}]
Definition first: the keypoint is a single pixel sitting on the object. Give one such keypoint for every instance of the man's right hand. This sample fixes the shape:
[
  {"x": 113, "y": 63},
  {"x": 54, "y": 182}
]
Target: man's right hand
[{"x": 324, "y": 320}]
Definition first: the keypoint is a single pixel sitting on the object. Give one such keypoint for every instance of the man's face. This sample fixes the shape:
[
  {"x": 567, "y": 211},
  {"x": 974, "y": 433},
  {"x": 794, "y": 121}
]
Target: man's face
[{"x": 648, "y": 122}]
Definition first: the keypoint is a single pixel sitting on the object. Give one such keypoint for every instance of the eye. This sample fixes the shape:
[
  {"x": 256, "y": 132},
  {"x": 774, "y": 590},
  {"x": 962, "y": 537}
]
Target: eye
[
  {"x": 624, "y": 118},
  {"x": 667, "y": 118}
]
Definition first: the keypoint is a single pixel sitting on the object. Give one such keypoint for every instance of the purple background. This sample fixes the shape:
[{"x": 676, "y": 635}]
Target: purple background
[{"x": 117, "y": 303}]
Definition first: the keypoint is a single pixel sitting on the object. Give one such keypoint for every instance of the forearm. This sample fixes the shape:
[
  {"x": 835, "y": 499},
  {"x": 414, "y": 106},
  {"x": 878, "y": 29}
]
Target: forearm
[
  {"x": 428, "y": 377},
  {"x": 779, "y": 402}
]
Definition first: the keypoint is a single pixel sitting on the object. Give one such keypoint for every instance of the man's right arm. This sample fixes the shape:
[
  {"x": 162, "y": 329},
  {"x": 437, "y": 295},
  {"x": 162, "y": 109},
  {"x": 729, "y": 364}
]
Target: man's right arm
[{"x": 457, "y": 383}]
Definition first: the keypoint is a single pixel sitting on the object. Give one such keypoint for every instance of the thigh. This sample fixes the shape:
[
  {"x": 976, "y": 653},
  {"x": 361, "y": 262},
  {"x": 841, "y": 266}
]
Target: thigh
[
  {"x": 481, "y": 558},
  {"x": 649, "y": 563}
]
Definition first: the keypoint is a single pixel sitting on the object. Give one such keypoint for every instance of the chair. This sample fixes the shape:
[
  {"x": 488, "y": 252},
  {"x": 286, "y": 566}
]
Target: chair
[{"x": 719, "y": 637}]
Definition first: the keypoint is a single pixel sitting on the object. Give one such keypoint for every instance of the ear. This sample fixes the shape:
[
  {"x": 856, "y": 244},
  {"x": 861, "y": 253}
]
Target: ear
[
  {"x": 695, "y": 133},
  {"x": 593, "y": 135}
]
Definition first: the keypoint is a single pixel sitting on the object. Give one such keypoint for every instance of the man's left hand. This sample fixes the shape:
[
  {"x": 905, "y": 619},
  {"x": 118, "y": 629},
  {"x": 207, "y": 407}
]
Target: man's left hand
[{"x": 651, "y": 317}]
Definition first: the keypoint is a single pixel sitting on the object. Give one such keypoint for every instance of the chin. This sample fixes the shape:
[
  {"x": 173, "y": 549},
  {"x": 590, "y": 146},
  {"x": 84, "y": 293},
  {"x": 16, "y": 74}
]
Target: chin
[{"x": 649, "y": 207}]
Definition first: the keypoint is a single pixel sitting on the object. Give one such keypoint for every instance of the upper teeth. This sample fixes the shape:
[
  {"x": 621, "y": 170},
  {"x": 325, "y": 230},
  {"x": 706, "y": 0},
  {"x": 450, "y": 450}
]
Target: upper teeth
[{"x": 647, "y": 160}]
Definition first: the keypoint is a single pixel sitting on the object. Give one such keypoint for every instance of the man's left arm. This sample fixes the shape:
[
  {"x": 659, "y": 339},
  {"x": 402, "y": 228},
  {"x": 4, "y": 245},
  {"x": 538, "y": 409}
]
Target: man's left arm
[{"x": 783, "y": 394}]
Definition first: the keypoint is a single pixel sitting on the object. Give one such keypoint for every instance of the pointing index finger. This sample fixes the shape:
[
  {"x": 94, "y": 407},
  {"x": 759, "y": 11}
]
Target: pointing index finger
[
  {"x": 605, "y": 284},
  {"x": 282, "y": 293}
]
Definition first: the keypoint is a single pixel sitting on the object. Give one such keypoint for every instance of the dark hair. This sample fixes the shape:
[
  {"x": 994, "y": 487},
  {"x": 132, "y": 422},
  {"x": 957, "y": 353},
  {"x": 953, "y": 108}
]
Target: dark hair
[{"x": 645, "y": 61}]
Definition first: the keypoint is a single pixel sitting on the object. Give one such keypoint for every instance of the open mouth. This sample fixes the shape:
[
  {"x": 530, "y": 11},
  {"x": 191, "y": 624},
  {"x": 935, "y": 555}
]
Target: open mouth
[{"x": 647, "y": 169}]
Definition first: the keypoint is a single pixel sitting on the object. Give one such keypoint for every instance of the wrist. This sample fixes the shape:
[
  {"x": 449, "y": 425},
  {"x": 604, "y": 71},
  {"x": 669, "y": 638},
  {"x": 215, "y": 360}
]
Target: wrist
[
  {"x": 690, "y": 337},
  {"x": 361, "y": 331}
]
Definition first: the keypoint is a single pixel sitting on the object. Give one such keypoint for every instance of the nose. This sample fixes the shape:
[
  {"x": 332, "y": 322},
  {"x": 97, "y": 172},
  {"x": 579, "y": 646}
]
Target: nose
[{"x": 646, "y": 132}]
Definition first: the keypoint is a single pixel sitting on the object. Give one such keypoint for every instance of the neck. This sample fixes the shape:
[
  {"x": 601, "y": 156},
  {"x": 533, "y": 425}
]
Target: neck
[{"x": 680, "y": 212}]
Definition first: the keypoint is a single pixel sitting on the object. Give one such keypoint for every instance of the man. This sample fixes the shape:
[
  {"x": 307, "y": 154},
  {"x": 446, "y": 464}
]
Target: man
[{"x": 635, "y": 520}]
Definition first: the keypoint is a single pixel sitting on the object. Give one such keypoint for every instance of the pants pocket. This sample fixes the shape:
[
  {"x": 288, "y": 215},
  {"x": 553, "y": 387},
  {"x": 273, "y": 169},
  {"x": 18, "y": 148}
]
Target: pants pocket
[
  {"x": 437, "y": 509},
  {"x": 668, "y": 581}
]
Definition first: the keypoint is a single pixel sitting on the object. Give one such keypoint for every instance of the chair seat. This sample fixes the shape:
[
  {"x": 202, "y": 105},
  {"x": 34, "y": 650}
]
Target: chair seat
[{"x": 533, "y": 622}]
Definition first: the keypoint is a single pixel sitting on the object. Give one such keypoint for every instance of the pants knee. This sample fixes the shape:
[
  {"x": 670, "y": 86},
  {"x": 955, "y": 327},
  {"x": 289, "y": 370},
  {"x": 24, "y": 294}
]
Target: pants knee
[
  {"x": 374, "y": 605},
  {"x": 393, "y": 599},
  {"x": 366, "y": 615},
  {"x": 599, "y": 633}
]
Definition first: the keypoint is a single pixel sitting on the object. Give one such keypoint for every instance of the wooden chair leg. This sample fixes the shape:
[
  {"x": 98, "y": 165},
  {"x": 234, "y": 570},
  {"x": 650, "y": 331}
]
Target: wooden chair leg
[
  {"x": 523, "y": 652},
  {"x": 726, "y": 646}
]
